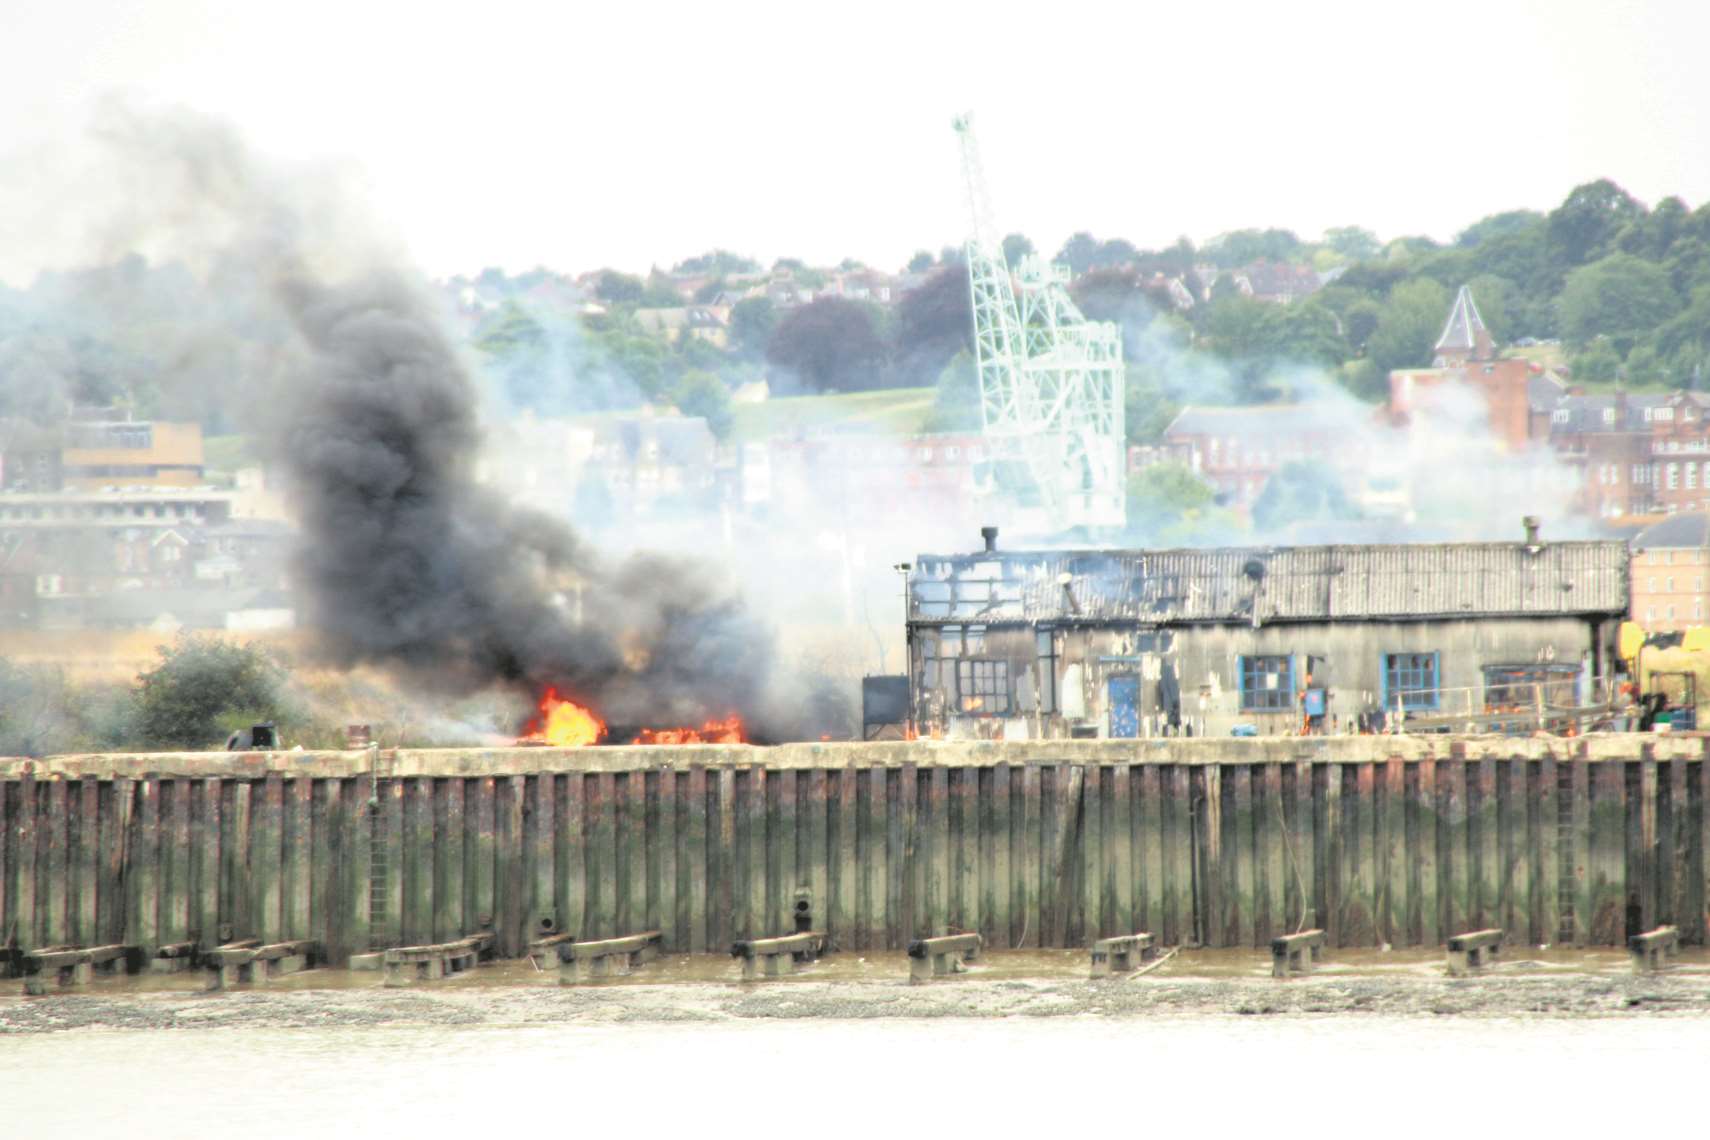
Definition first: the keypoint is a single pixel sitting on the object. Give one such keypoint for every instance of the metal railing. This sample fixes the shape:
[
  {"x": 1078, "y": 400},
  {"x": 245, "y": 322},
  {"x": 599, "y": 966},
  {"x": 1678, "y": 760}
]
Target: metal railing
[{"x": 1504, "y": 706}]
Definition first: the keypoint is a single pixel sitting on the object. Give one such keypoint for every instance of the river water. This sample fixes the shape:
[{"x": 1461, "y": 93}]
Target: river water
[{"x": 1328, "y": 1076}]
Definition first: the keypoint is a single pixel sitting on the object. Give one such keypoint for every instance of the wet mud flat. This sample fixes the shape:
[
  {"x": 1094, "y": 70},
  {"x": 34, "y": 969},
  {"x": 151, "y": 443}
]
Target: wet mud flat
[{"x": 1021, "y": 984}]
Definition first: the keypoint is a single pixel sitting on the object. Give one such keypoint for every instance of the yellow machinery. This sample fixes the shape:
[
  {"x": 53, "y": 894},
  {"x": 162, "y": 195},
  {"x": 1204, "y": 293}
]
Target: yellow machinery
[{"x": 1670, "y": 673}]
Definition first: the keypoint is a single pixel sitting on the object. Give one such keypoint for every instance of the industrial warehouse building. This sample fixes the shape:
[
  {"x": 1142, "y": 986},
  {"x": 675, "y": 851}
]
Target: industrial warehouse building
[{"x": 1129, "y": 643}]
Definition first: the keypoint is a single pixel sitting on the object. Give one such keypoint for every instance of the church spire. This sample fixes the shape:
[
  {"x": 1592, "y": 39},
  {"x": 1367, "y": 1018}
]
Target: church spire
[{"x": 1464, "y": 336}]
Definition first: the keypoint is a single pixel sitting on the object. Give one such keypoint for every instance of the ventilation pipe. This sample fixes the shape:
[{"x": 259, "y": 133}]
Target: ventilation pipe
[
  {"x": 989, "y": 533},
  {"x": 1531, "y": 523}
]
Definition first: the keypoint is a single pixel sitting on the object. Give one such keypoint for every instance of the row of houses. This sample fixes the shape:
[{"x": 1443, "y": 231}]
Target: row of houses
[{"x": 108, "y": 522}]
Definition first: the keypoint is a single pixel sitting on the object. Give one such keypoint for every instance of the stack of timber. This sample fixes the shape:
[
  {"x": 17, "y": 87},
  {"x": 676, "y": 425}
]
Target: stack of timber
[{"x": 1398, "y": 840}]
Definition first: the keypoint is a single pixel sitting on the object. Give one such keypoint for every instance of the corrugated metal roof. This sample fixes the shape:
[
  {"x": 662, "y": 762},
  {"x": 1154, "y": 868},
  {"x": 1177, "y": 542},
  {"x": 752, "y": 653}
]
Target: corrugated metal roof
[{"x": 1306, "y": 583}]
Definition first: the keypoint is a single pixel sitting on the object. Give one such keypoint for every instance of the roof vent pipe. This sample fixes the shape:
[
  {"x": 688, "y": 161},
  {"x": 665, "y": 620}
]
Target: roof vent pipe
[
  {"x": 1531, "y": 522},
  {"x": 989, "y": 533}
]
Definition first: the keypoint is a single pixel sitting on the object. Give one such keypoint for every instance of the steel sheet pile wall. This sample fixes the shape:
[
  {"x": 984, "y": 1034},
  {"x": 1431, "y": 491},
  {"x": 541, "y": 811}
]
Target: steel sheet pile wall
[{"x": 1226, "y": 843}]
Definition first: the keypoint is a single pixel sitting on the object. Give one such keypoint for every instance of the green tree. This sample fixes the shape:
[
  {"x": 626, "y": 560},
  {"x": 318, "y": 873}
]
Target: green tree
[
  {"x": 932, "y": 322},
  {"x": 1354, "y": 243},
  {"x": 1499, "y": 225},
  {"x": 1243, "y": 247},
  {"x": 720, "y": 262},
  {"x": 1584, "y": 227},
  {"x": 831, "y": 344},
  {"x": 659, "y": 293},
  {"x": 702, "y": 394},
  {"x": 920, "y": 262},
  {"x": 616, "y": 288},
  {"x": 752, "y": 321},
  {"x": 1620, "y": 296},
  {"x": 1598, "y": 364},
  {"x": 1360, "y": 321},
  {"x": 956, "y": 397},
  {"x": 1260, "y": 340},
  {"x": 1682, "y": 345},
  {"x": 509, "y": 332},
  {"x": 1016, "y": 247},
  {"x": 1079, "y": 252},
  {"x": 1165, "y": 495},
  {"x": 202, "y": 687},
  {"x": 1147, "y": 407},
  {"x": 1408, "y": 325}
]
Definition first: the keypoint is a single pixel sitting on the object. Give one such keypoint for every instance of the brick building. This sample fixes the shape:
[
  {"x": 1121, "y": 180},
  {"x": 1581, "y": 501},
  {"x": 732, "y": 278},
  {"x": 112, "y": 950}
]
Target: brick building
[
  {"x": 1640, "y": 455},
  {"x": 1518, "y": 395},
  {"x": 1671, "y": 566}
]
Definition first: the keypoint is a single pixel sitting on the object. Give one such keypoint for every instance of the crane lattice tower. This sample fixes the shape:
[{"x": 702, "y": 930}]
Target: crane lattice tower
[{"x": 1051, "y": 381}]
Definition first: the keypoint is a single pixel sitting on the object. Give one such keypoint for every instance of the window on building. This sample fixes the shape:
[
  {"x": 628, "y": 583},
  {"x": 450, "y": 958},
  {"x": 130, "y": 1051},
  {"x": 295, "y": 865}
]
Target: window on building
[
  {"x": 1673, "y": 476},
  {"x": 1411, "y": 679},
  {"x": 1267, "y": 683},
  {"x": 1668, "y": 615},
  {"x": 1668, "y": 585},
  {"x": 1518, "y": 686},
  {"x": 982, "y": 687},
  {"x": 1691, "y": 476},
  {"x": 1650, "y": 585}
]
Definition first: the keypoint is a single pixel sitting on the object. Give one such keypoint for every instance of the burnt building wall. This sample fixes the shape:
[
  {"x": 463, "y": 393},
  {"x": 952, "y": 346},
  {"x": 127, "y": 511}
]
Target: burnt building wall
[{"x": 1026, "y": 681}]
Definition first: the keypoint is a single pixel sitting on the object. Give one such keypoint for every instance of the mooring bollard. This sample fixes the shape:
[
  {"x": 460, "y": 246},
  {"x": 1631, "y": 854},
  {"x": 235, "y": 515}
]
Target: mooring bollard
[
  {"x": 1121, "y": 954},
  {"x": 247, "y": 960},
  {"x": 1294, "y": 953},
  {"x": 777, "y": 956},
  {"x": 404, "y": 964},
  {"x": 934, "y": 957},
  {"x": 1654, "y": 949},
  {"x": 1473, "y": 951},
  {"x": 173, "y": 958},
  {"x": 70, "y": 965},
  {"x": 600, "y": 959}
]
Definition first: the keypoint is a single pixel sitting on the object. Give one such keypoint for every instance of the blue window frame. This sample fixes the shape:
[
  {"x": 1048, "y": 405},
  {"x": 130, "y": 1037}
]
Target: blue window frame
[
  {"x": 1414, "y": 679},
  {"x": 1267, "y": 683}
]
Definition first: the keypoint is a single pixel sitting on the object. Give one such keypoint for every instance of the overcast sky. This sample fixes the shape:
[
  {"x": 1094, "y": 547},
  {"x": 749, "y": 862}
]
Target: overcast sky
[{"x": 631, "y": 134}]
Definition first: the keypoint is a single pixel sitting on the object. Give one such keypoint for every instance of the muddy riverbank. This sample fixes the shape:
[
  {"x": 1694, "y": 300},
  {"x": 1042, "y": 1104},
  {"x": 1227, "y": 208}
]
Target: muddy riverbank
[{"x": 1020, "y": 985}]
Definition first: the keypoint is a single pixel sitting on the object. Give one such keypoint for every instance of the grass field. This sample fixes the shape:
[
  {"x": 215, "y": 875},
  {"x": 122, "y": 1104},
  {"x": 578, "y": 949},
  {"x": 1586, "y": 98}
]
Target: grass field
[{"x": 900, "y": 410}]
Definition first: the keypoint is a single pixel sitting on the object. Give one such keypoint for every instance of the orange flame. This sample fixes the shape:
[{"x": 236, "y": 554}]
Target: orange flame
[
  {"x": 726, "y": 731},
  {"x": 563, "y": 724}
]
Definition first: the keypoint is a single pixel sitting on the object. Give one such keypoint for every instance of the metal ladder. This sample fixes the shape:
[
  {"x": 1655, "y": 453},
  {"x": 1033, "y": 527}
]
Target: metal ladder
[{"x": 380, "y": 932}]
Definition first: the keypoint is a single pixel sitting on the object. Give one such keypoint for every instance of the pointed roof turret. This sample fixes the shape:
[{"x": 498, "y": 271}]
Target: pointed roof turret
[{"x": 1464, "y": 336}]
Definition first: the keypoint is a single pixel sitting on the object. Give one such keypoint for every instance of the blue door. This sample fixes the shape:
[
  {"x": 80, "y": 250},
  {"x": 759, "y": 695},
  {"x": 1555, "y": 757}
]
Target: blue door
[{"x": 1124, "y": 706}]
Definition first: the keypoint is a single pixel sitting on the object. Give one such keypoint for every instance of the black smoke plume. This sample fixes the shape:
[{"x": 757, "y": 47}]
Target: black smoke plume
[{"x": 406, "y": 560}]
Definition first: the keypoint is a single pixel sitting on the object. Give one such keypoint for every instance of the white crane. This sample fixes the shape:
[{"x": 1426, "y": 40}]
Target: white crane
[{"x": 1051, "y": 381}]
